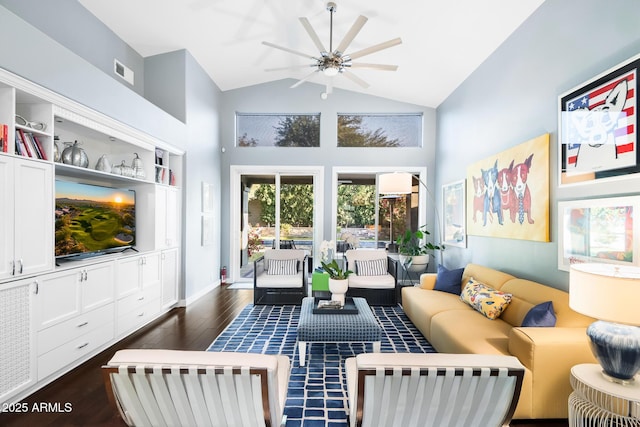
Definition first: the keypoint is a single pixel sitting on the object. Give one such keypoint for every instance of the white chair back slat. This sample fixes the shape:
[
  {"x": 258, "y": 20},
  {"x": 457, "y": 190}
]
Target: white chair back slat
[
  {"x": 197, "y": 401},
  {"x": 229, "y": 397},
  {"x": 179, "y": 397},
  {"x": 465, "y": 397},
  {"x": 245, "y": 397},
  {"x": 431, "y": 399},
  {"x": 211, "y": 391},
  {"x": 147, "y": 399},
  {"x": 163, "y": 397},
  {"x": 408, "y": 399},
  {"x": 131, "y": 408}
]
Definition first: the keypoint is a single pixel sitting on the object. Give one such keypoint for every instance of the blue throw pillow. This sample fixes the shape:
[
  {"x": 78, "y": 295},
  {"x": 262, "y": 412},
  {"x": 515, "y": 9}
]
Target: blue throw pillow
[
  {"x": 540, "y": 315},
  {"x": 449, "y": 280}
]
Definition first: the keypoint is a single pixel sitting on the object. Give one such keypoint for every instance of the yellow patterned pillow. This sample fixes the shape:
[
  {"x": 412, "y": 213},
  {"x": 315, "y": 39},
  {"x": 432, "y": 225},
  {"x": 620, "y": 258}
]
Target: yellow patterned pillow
[{"x": 488, "y": 301}]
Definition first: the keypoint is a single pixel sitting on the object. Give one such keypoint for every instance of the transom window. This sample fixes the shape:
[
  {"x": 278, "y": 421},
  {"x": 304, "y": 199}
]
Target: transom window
[
  {"x": 277, "y": 130},
  {"x": 380, "y": 130}
]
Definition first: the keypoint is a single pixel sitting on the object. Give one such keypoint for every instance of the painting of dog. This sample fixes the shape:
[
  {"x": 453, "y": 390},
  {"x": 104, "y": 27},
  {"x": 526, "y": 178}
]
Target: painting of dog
[
  {"x": 491, "y": 195},
  {"x": 507, "y": 195},
  {"x": 510, "y": 183},
  {"x": 519, "y": 176},
  {"x": 478, "y": 197}
]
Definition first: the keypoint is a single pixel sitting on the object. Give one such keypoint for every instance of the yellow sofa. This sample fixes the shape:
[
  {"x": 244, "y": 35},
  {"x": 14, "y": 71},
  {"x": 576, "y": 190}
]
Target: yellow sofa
[{"x": 548, "y": 353}]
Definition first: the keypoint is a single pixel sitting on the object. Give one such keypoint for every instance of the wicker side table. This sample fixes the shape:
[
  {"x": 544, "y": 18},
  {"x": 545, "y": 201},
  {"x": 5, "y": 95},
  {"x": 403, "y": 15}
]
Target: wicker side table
[{"x": 596, "y": 401}]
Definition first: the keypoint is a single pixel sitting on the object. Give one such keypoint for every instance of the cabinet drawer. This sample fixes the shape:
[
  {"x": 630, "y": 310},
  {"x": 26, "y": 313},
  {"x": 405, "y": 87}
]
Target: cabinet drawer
[
  {"x": 140, "y": 298},
  {"x": 52, "y": 337},
  {"x": 71, "y": 351},
  {"x": 137, "y": 317}
]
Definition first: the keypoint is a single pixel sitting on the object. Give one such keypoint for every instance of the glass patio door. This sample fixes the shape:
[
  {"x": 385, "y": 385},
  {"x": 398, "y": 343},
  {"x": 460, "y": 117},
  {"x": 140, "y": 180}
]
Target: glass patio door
[
  {"x": 366, "y": 219},
  {"x": 277, "y": 213}
]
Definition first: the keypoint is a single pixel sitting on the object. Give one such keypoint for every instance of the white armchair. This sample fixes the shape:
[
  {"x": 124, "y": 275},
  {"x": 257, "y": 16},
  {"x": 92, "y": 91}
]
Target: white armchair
[
  {"x": 375, "y": 276},
  {"x": 280, "y": 277},
  {"x": 444, "y": 390},
  {"x": 197, "y": 388}
]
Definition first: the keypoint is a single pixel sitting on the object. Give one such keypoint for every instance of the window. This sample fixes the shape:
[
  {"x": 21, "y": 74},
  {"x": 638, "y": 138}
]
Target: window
[
  {"x": 380, "y": 130},
  {"x": 277, "y": 130}
]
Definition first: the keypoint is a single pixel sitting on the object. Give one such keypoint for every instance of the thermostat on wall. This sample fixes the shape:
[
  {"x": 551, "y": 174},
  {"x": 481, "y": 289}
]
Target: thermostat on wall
[{"x": 121, "y": 70}]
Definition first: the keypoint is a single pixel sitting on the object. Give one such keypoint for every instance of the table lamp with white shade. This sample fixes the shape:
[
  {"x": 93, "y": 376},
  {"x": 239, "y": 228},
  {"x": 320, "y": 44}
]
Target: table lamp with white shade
[{"x": 611, "y": 294}]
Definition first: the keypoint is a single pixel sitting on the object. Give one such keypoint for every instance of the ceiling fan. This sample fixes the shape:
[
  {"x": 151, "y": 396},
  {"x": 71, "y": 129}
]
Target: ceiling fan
[{"x": 333, "y": 62}]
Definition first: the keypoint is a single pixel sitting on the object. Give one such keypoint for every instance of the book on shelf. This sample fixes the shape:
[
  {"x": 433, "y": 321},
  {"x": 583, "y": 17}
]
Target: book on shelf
[
  {"x": 5, "y": 131},
  {"x": 18, "y": 145},
  {"x": 3, "y": 138},
  {"x": 20, "y": 140},
  {"x": 28, "y": 145},
  {"x": 40, "y": 147}
]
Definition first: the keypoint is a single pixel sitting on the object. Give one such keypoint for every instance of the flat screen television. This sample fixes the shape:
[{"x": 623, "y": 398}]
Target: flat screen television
[{"x": 93, "y": 220}]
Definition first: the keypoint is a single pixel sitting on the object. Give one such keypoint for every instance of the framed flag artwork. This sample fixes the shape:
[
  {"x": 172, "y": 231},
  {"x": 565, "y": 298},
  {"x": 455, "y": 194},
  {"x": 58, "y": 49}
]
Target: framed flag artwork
[{"x": 598, "y": 123}]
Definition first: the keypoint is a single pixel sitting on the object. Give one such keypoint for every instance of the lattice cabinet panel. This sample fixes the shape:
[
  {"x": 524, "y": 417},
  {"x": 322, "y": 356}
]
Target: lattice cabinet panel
[{"x": 16, "y": 338}]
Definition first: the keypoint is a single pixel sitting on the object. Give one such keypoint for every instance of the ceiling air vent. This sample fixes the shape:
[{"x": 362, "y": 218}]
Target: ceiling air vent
[{"x": 121, "y": 70}]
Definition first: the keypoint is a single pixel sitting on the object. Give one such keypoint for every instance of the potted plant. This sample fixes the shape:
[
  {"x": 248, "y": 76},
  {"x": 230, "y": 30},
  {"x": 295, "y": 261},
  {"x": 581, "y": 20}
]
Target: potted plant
[
  {"x": 338, "y": 280},
  {"x": 414, "y": 251}
]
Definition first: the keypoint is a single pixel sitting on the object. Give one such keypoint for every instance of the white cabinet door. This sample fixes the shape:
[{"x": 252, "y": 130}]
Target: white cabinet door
[
  {"x": 173, "y": 218},
  {"x": 128, "y": 276},
  {"x": 33, "y": 220},
  {"x": 26, "y": 227},
  {"x": 6, "y": 213},
  {"x": 17, "y": 338},
  {"x": 58, "y": 297},
  {"x": 170, "y": 277},
  {"x": 167, "y": 217},
  {"x": 150, "y": 270},
  {"x": 161, "y": 217},
  {"x": 97, "y": 286}
]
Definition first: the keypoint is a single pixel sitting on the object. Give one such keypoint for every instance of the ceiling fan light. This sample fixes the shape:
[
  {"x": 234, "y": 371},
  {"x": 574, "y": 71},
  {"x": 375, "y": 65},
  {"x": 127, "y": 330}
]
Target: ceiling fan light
[{"x": 331, "y": 71}]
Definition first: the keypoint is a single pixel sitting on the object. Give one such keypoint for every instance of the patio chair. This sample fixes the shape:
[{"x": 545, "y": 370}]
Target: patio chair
[
  {"x": 280, "y": 277},
  {"x": 197, "y": 388},
  {"x": 375, "y": 276},
  {"x": 444, "y": 390}
]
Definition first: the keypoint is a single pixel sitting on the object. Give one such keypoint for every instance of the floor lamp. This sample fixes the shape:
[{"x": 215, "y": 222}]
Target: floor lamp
[
  {"x": 396, "y": 183},
  {"x": 392, "y": 199}
]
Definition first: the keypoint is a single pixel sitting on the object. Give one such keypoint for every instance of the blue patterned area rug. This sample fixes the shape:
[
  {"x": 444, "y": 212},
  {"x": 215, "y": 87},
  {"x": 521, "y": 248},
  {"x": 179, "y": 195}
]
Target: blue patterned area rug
[{"x": 317, "y": 392}]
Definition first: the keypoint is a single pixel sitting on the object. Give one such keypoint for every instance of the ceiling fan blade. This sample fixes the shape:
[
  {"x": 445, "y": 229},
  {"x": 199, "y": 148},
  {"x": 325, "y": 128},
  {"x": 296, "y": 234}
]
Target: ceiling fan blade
[
  {"x": 355, "y": 79},
  {"x": 312, "y": 33},
  {"x": 353, "y": 32},
  {"x": 286, "y": 49},
  {"x": 376, "y": 48},
  {"x": 304, "y": 79},
  {"x": 292, "y": 67},
  {"x": 383, "y": 67}
]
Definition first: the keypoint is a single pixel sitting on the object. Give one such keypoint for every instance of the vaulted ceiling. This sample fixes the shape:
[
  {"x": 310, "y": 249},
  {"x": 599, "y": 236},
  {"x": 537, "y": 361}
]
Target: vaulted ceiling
[{"x": 443, "y": 42}]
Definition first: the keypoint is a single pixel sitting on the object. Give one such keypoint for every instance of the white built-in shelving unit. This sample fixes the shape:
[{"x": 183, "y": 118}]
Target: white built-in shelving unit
[{"x": 55, "y": 315}]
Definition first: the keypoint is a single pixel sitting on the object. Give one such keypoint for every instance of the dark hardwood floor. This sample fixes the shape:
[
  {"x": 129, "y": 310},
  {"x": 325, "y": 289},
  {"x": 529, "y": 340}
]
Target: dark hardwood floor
[{"x": 80, "y": 395}]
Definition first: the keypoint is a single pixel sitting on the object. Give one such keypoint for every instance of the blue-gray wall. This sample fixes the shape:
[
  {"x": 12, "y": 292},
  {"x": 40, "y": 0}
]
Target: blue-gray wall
[
  {"x": 202, "y": 164},
  {"x": 513, "y": 97},
  {"x": 70, "y": 24}
]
